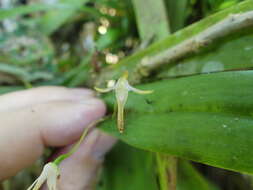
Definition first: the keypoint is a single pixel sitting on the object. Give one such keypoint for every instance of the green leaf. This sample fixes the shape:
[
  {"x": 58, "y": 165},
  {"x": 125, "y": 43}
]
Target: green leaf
[
  {"x": 27, "y": 9},
  {"x": 131, "y": 62},
  {"x": 54, "y": 19},
  {"x": 227, "y": 54},
  {"x": 128, "y": 168},
  {"x": 227, "y": 4},
  {"x": 205, "y": 118},
  {"x": 177, "y": 11},
  {"x": 154, "y": 14},
  {"x": 24, "y": 74},
  {"x": 190, "y": 179}
]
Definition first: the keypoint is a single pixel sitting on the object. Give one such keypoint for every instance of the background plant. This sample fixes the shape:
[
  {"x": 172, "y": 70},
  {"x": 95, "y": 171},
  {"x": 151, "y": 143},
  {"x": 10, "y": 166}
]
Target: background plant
[{"x": 201, "y": 110}]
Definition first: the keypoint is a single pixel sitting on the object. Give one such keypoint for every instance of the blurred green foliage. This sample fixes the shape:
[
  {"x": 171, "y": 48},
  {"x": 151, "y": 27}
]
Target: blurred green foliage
[{"x": 70, "y": 43}]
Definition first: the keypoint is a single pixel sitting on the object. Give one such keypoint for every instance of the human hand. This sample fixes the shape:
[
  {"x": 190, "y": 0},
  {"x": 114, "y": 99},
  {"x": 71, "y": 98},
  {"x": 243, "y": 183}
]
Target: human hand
[{"x": 56, "y": 117}]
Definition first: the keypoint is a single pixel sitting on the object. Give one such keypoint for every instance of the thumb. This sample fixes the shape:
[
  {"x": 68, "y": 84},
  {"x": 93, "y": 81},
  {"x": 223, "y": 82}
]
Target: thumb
[{"x": 24, "y": 132}]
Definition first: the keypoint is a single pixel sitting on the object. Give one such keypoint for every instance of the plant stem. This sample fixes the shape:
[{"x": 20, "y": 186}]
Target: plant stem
[
  {"x": 162, "y": 173},
  {"x": 167, "y": 171},
  {"x": 6, "y": 185},
  {"x": 223, "y": 28},
  {"x": 62, "y": 157},
  {"x": 172, "y": 171}
]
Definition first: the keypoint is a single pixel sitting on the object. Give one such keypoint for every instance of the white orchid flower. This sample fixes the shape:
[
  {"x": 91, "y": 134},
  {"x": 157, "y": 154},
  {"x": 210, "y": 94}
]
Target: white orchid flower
[
  {"x": 122, "y": 87},
  {"x": 49, "y": 174}
]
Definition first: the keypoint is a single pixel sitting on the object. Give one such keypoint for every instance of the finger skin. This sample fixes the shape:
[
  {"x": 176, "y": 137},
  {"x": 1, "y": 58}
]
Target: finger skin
[
  {"x": 80, "y": 171},
  {"x": 24, "y": 98},
  {"x": 25, "y": 131}
]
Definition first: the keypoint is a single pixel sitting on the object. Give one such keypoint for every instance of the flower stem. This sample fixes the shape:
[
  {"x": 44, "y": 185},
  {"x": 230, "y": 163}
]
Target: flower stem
[{"x": 62, "y": 157}]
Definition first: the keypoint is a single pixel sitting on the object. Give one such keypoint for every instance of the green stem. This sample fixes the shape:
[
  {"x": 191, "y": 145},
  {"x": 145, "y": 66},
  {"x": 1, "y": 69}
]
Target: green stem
[
  {"x": 172, "y": 172},
  {"x": 27, "y": 84},
  {"x": 6, "y": 185},
  {"x": 162, "y": 172},
  {"x": 62, "y": 157},
  {"x": 167, "y": 171}
]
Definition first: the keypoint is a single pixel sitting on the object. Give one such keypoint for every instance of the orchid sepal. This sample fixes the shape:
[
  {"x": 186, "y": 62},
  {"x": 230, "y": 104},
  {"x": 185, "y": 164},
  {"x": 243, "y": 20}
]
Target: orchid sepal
[
  {"x": 122, "y": 87},
  {"x": 49, "y": 174},
  {"x": 103, "y": 90}
]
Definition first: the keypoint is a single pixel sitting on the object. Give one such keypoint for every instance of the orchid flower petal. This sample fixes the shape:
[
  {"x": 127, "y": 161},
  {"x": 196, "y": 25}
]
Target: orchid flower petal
[
  {"x": 39, "y": 181},
  {"x": 138, "y": 91},
  {"x": 30, "y": 188},
  {"x": 50, "y": 174},
  {"x": 52, "y": 177},
  {"x": 104, "y": 90}
]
